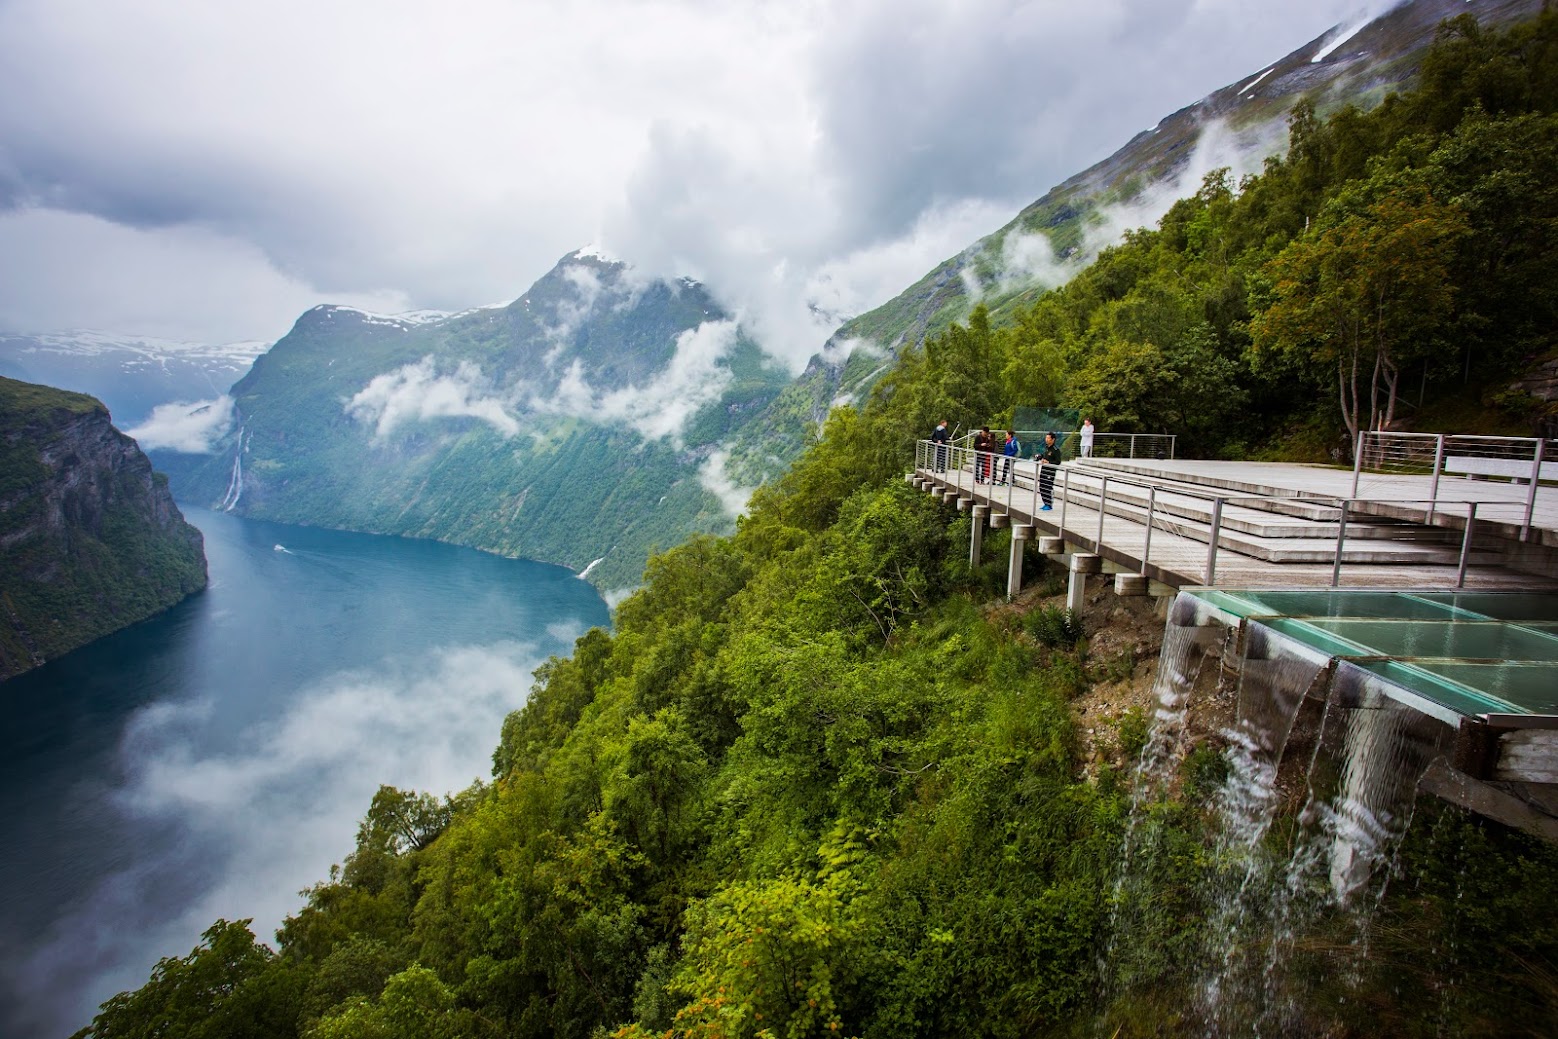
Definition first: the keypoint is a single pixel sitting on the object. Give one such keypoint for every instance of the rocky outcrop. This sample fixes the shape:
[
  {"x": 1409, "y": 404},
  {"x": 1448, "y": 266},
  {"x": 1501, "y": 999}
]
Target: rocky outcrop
[
  {"x": 1541, "y": 383},
  {"x": 90, "y": 538}
]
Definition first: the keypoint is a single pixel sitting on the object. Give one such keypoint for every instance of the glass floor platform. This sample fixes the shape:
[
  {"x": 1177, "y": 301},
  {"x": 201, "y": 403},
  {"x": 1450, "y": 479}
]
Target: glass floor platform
[{"x": 1450, "y": 654}]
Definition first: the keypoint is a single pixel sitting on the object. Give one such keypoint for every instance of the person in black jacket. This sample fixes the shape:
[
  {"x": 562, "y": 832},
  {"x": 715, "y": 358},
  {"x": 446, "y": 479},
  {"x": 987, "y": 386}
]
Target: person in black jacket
[
  {"x": 940, "y": 437},
  {"x": 1048, "y": 457},
  {"x": 984, "y": 444}
]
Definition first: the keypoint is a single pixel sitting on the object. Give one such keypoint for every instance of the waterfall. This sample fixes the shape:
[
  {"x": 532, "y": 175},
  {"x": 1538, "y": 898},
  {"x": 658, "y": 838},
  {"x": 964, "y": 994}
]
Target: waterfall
[
  {"x": 1195, "y": 642},
  {"x": 1275, "y": 678},
  {"x": 235, "y": 479},
  {"x": 1322, "y": 767}
]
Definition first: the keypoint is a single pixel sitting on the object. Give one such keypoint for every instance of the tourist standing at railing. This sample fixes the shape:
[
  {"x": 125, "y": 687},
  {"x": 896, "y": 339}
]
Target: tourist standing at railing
[
  {"x": 939, "y": 437},
  {"x": 1048, "y": 457},
  {"x": 1086, "y": 448},
  {"x": 984, "y": 444},
  {"x": 1011, "y": 450}
]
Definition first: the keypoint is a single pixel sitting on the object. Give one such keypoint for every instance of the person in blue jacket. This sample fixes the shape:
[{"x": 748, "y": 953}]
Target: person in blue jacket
[{"x": 1011, "y": 449}]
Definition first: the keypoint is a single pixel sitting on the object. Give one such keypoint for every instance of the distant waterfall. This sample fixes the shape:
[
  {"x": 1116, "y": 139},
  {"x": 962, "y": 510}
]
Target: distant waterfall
[
  {"x": 1321, "y": 776},
  {"x": 235, "y": 479}
]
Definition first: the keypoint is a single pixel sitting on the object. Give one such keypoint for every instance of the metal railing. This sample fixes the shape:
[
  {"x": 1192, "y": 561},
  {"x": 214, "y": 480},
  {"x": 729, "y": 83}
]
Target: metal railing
[
  {"x": 1105, "y": 445},
  {"x": 1092, "y": 492},
  {"x": 1448, "y": 457}
]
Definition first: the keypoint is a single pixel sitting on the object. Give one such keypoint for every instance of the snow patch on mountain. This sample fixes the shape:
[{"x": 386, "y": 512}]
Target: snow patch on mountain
[{"x": 1340, "y": 38}]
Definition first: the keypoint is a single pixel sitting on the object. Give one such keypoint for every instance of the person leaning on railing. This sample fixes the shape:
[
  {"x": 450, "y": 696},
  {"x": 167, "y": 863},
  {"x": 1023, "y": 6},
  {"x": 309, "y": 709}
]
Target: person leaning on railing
[
  {"x": 940, "y": 437},
  {"x": 1048, "y": 457},
  {"x": 984, "y": 445},
  {"x": 1011, "y": 449}
]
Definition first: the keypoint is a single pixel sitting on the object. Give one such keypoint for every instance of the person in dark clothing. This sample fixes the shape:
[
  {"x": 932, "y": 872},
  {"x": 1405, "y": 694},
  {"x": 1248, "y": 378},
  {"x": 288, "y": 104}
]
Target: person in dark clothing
[
  {"x": 984, "y": 444},
  {"x": 939, "y": 437},
  {"x": 1048, "y": 457}
]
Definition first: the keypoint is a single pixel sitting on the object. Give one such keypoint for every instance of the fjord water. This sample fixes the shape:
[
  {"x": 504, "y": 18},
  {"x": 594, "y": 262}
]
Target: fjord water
[{"x": 213, "y": 761}]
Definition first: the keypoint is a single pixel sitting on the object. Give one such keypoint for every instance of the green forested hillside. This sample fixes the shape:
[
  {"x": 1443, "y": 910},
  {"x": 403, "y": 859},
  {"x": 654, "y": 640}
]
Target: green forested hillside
[
  {"x": 462, "y": 429},
  {"x": 821, "y": 781},
  {"x": 90, "y": 540},
  {"x": 1006, "y": 271}
]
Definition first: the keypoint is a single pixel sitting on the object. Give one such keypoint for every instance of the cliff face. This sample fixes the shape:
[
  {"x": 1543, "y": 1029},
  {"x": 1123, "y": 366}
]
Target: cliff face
[{"x": 90, "y": 539}]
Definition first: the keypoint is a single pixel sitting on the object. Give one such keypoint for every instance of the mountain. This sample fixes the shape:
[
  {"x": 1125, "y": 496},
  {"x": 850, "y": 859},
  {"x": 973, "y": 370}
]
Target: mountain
[
  {"x": 579, "y": 424},
  {"x": 90, "y": 539},
  {"x": 603, "y": 414},
  {"x": 1053, "y": 238},
  {"x": 130, "y": 374}
]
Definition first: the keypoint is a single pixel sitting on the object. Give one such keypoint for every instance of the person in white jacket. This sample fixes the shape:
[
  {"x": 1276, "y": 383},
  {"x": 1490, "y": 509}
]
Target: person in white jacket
[{"x": 1085, "y": 449}]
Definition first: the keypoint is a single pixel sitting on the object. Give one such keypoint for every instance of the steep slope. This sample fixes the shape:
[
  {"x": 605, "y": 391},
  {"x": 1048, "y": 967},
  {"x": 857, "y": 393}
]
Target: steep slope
[
  {"x": 1348, "y": 65},
  {"x": 90, "y": 540},
  {"x": 1060, "y": 233},
  {"x": 575, "y": 425}
]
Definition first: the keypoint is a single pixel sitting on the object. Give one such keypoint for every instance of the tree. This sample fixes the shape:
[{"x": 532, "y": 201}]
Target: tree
[
  {"x": 228, "y": 986},
  {"x": 1365, "y": 291}
]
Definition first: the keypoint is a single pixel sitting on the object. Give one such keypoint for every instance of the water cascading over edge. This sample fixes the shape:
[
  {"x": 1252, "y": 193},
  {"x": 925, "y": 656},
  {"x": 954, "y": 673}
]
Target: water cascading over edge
[{"x": 1322, "y": 768}]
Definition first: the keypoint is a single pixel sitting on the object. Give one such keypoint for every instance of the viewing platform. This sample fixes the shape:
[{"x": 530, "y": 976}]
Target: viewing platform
[
  {"x": 1203, "y": 523},
  {"x": 1424, "y": 577}
]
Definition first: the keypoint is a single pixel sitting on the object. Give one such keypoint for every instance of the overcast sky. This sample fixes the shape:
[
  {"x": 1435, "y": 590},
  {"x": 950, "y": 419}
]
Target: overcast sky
[{"x": 207, "y": 171}]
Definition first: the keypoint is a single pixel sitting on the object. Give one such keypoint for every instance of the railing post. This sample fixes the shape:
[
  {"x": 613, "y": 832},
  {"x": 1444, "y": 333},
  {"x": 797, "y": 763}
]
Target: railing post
[
  {"x": 1341, "y": 536},
  {"x": 1433, "y": 488},
  {"x": 1357, "y": 462},
  {"x": 1103, "y": 498},
  {"x": 1471, "y": 519},
  {"x": 1211, "y": 545},
  {"x": 1133, "y": 445},
  {"x": 1536, "y": 479},
  {"x": 1146, "y": 548},
  {"x": 1173, "y": 445},
  {"x": 1065, "y": 497}
]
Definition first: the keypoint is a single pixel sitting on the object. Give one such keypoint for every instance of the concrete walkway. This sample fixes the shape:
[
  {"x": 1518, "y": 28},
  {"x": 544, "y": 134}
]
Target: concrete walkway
[
  {"x": 1381, "y": 494},
  {"x": 1277, "y": 524}
]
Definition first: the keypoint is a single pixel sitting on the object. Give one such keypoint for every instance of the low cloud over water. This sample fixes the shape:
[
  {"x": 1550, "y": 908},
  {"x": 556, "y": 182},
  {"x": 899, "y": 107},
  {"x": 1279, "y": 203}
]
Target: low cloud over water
[{"x": 240, "y": 822}]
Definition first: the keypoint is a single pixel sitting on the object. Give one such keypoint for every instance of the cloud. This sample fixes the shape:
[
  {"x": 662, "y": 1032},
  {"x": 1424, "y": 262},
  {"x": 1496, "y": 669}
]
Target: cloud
[
  {"x": 1217, "y": 147},
  {"x": 1028, "y": 257},
  {"x": 661, "y": 407},
  {"x": 68, "y": 270},
  {"x": 418, "y": 393},
  {"x": 192, "y": 429},
  {"x": 717, "y": 481},
  {"x": 927, "y": 125},
  {"x": 782, "y": 154},
  {"x": 261, "y": 820}
]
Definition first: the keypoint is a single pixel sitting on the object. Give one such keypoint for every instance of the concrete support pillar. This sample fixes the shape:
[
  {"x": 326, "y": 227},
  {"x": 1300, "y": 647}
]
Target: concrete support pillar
[
  {"x": 947, "y": 496},
  {"x": 1021, "y": 533},
  {"x": 999, "y": 520},
  {"x": 1052, "y": 546},
  {"x": 976, "y": 541},
  {"x": 964, "y": 503},
  {"x": 1082, "y": 564},
  {"x": 1130, "y": 584}
]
